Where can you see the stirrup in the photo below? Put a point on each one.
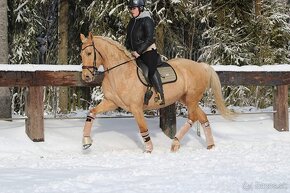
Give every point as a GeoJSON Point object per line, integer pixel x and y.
{"type": "Point", "coordinates": [158, 99]}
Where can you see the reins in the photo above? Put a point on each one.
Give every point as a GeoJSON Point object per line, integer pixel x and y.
{"type": "Point", "coordinates": [109, 69]}
{"type": "Point", "coordinates": [94, 67]}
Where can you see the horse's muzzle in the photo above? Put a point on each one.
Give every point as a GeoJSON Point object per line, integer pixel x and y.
{"type": "Point", "coordinates": [88, 78]}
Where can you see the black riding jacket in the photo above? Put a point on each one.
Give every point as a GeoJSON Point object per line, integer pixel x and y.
{"type": "Point", "coordinates": [140, 33]}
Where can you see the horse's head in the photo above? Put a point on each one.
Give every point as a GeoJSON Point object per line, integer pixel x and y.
{"type": "Point", "coordinates": [91, 57]}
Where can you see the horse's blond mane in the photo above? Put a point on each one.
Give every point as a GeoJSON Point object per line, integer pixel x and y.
{"type": "Point", "coordinates": [116, 44]}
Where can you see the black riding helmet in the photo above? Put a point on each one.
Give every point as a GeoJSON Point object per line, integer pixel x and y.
{"type": "Point", "coordinates": [136, 3]}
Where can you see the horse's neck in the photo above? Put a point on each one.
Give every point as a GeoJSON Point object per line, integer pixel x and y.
{"type": "Point", "coordinates": [114, 56]}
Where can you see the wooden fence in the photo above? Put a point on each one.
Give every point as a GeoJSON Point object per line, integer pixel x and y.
{"type": "Point", "coordinates": [36, 76]}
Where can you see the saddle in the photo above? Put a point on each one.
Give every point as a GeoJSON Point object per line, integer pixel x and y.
{"type": "Point", "coordinates": [167, 73]}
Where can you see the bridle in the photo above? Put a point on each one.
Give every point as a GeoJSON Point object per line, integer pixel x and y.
{"type": "Point", "coordinates": [93, 69]}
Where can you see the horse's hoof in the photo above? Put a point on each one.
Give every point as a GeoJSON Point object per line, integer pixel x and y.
{"type": "Point", "coordinates": [147, 151]}
{"type": "Point", "coordinates": [175, 145]}
{"type": "Point", "coordinates": [86, 146]}
{"type": "Point", "coordinates": [210, 147]}
{"type": "Point", "coordinates": [87, 142]}
{"type": "Point", "coordinates": [148, 146]}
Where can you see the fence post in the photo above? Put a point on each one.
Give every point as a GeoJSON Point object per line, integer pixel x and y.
{"type": "Point", "coordinates": [34, 105]}
{"type": "Point", "coordinates": [168, 120]}
{"type": "Point", "coordinates": [281, 116]}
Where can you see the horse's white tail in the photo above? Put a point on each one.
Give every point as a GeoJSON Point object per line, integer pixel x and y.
{"type": "Point", "coordinates": [215, 85]}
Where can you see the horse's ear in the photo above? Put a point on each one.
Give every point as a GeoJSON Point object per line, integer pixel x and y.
{"type": "Point", "coordinates": [91, 35]}
{"type": "Point", "coordinates": [83, 38]}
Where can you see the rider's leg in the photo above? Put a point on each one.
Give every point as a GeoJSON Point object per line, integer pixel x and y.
{"type": "Point", "coordinates": [150, 58]}
{"type": "Point", "coordinates": [156, 80]}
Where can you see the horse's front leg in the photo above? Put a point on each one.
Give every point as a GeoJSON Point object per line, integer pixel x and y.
{"type": "Point", "coordinates": [139, 117]}
{"type": "Point", "coordinates": [104, 106]}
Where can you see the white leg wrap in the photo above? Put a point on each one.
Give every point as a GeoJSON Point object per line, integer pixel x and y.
{"type": "Point", "coordinates": [147, 142]}
{"type": "Point", "coordinates": [208, 134]}
{"type": "Point", "coordinates": [88, 124]}
{"type": "Point", "coordinates": [184, 129]}
{"type": "Point", "coordinates": [90, 117]}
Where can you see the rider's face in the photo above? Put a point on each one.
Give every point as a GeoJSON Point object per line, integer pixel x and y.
{"type": "Point", "coordinates": [134, 11]}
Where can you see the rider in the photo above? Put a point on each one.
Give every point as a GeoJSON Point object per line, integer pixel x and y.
{"type": "Point", "coordinates": [140, 40]}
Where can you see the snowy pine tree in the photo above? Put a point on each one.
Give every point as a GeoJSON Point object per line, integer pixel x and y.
{"type": "Point", "coordinates": [213, 31]}
{"type": "Point", "coordinates": [240, 37]}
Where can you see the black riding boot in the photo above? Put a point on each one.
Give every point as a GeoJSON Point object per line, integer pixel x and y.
{"type": "Point", "coordinates": [156, 81]}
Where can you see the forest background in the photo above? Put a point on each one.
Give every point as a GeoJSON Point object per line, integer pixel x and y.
{"type": "Point", "coordinates": [227, 32]}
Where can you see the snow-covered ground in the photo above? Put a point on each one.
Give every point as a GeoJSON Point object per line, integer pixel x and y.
{"type": "Point", "coordinates": [250, 156]}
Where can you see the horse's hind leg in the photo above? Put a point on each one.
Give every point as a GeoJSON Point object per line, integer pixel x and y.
{"type": "Point", "coordinates": [206, 128]}
{"type": "Point", "coordinates": [104, 106]}
{"type": "Point", "coordinates": [192, 117]}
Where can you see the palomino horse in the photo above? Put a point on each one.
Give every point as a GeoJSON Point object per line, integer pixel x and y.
{"type": "Point", "coordinates": [122, 88]}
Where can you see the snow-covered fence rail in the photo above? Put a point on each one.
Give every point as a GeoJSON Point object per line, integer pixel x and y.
{"type": "Point", "coordinates": [43, 75]}
{"type": "Point", "coordinates": [36, 76]}
{"type": "Point", "coordinates": [277, 76]}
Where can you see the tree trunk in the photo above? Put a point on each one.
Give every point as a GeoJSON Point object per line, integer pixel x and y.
{"type": "Point", "coordinates": [258, 5]}
{"type": "Point", "coordinates": [63, 50]}
{"type": "Point", "coordinates": [260, 44]}
{"type": "Point", "coordinates": [217, 6]}
{"type": "Point", "coordinates": [5, 95]}
{"type": "Point", "coordinates": [160, 34]}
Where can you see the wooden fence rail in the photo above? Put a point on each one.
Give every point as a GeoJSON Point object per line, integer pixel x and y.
{"type": "Point", "coordinates": [36, 76]}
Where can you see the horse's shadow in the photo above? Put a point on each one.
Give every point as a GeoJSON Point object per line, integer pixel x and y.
{"type": "Point", "coordinates": [129, 128]}
{"type": "Point", "coordinates": [192, 138]}
{"type": "Point", "coordinates": [124, 126]}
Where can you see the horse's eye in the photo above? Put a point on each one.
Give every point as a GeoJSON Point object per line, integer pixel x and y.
{"type": "Point", "coordinates": [89, 53]}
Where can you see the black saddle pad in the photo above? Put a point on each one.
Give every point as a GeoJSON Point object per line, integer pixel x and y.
{"type": "Point", "coordinates": [167, 73]}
